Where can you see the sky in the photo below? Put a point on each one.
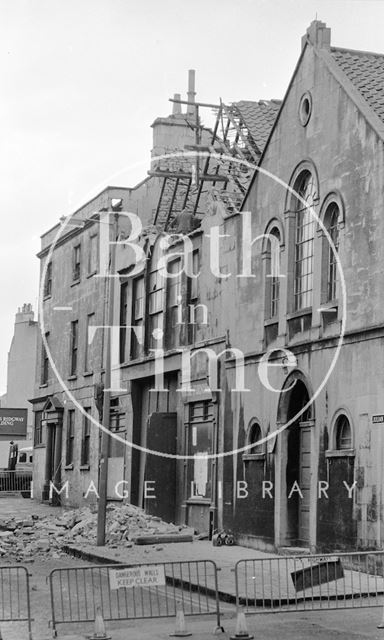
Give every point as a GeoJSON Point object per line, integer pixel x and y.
{"type": "Point", "coordinates": [82, 81]}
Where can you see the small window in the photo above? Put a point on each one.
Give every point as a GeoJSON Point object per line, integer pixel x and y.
{"type": "Point", "coordinates": [174, 307]}
{"type": "Point", "coordinates": [254, 436]}
{"type": "Point", "coordinates": [76, 263]}
{"type": "Point", "coordinates": [138, 300]}
{"type": "Point", "coordinates": [194, 289]}
{"type": "Point", "coordinates": [86, 438]}
{"type": "Point", "coordinates": [331, 221]}
{"type": "Point", "coordinates": [305, 108]}
{"type": "Point", "coordinates": [44, 372]}
{"type": "Point", "coordinates": [155, 309]}
{"type": "Point", "coordinates": [38, 429]}
{"type": "Point", "coordinates": [23, 457]}
{"type": "Point", "coordinates": [48, 281]}
{"type": "Point", "coordinates": [74, 346]}
{"type": "Point", "coordinates": [93, 254]}
{"type": "Point", "coordinates": [343, 433]}
{"type": "Point", "coordinates": [273, 274]}
{"type": "Point", "coordinates": [88, 360]}
{"type": "Point", "coordinates": [70, 437]}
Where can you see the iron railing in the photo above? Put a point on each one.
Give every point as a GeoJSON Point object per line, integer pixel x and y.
{"type": "Point", "coordinates": [310, 582]}
{"type": "Point", "coordinates": [15, 604]}
{"type": "Point", "coordinates": [77, 592]}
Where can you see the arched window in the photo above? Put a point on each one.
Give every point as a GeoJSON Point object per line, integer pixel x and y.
{"type": "Point", "coordinates": [343, 433]}
{"type": "Point", "coordinates": [273, 273]}
{"type": "Point", "coordinates": [331, 221]}
{"type": "Point", "coordinates": [305, 187]}
{"type": "Point", "coordinates": [254, 436]}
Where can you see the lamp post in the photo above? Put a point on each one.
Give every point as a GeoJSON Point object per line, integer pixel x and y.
{"type": "Point", "coordinates": [105, 437]}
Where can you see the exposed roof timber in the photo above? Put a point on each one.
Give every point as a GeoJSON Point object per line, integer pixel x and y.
{"type": "Point", "coordinates": [160, 200]}
{"type": "Point", "coordinates": [172, 201]}
{"type": "Point", "coordinates": [230, 117]}
{"type": "Point", "coordinates": [196, 104]}
{"type": "Point", "coordinates": [187, 176]}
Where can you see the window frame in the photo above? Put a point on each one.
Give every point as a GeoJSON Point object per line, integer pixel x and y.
{"type": "Point", "coordinates": [155, 316]}
{"type": "Point", "coordinates": [193, 295]}
{"type": "Point", "coordinates": [38, 428]}
{"type": "Point", "coordinates": [85, 453]}
{"type": "Point", "coordinates": [273, 289]}
{"type": "Point", "coordinates": [333, 451]}
{"type": "Point", "coordinates": [333, 231]}
{"type": "Point", "coordinates": [88, 347]}
{"type": "Point", "coordinates": [250, 453]}
{"type": "Point", "coordinates": [93, 257]}
{"type": "Point", "coordinates": [174, 300]}
{"type": "Point", "coordinates": [76, 263]}
{"type": "Point", "coordinates": [48, 280]}
{"type": "Point", "coordinates": [70, 439]}
{"type": "Point", "coordinates": [74, 346]}
{"type": "Point", "coordinates": [303, 242]}
{"type": "Point", "coordinates": [137, 319]}
{"type": "Point", "coordinates": [44, 365]}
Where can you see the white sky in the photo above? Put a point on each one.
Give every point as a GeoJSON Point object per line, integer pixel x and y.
{"type": "Point", "coordinates": [82, 81]}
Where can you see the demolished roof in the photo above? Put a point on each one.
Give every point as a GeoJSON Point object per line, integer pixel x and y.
{"type": "Point", "coordinates": [258, 118]}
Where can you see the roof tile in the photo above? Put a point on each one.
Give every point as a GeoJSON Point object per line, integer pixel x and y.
{"type": "Point", "coordinates": [366, 72]}
{"type": "Point", "coordinates": [258, 118]}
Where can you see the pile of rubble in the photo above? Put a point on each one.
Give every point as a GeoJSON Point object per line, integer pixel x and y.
{"type": "Point", "coordinates": [23, 540]}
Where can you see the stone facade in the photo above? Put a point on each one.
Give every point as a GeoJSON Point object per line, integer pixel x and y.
{"type": "Point", "coordinates": [291, 456]}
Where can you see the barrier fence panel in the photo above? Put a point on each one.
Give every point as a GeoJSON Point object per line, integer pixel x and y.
{"type": "Point", "coordinates": [327, 581]}
{"type": "Point", "coordinates": [15, 605]}
{"type": "Point", "coordinates": [133, 591]}
{"type": "Point", "coordinates": [15, 481]}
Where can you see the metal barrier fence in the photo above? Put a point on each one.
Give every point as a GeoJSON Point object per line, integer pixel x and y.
{"type": "Point", "coordinates": [133, 591]}
{"type": "Point", "coordinates": [15, 605]}
{"type": "Point", "coordinates": [311, 582]}
{"type": "Point", "coordinates": [15, 481]}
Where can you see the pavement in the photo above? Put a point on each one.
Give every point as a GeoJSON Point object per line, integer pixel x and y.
{"type": "Point", "coordinates": [224, 557]}
{"type": "Point", "coordinates": [358, 622]}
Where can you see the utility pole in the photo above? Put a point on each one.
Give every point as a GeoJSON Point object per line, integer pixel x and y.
{"type": "Point", "coordinates": [105, 438]}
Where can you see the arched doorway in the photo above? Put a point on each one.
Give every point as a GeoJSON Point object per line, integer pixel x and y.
{"type": "Point", "coordinates": [295, 462]}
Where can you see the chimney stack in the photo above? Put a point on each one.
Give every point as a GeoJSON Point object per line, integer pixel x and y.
{"type": "Point", "coordinates": [25, 314]}
{"type": "Point", "coordinates": [176, 111]}
{"type": "Point", "coordinates": [318, 34]}
{"type": "Point", "coordinates": [191, 92]}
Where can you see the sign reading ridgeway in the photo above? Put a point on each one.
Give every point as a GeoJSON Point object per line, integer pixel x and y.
{"type": "Point", "coordinates": [150, 575]}
{"type": "Point", "coordinates": [13, 422]}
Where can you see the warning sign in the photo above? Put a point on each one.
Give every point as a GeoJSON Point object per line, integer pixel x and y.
{"type": "Point", "coordinates": [150, 575]}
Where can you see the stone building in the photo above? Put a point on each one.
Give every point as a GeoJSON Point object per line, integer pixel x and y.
{"type": "Point", "coordinates": [307, 435]}
{"type": "Point", "coordinates": [22, 363]}
{"type": "Point", "coordinates": [325, 467]}
{"type": "Point", "coordinates": [71, 352]}
{"type": "Point", "coordinates": [291, 456]}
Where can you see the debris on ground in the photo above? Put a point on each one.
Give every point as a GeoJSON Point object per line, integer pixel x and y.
{"type": "Point", "coordinates": [23, 539]}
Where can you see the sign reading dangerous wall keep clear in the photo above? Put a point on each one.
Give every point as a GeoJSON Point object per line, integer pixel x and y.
{"type": "Point", "coordinates": [151, 575]}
